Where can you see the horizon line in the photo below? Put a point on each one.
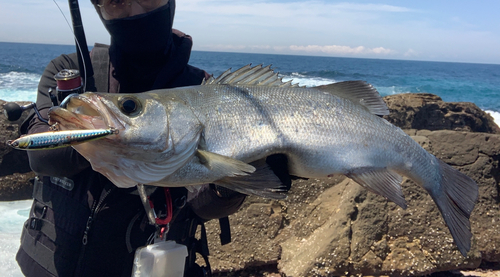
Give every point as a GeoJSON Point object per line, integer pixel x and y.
{"type": "Point", "coordinates": [289, 54]}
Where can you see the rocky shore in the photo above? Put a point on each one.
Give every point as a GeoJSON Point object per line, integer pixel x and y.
{"type": "Point", "coordinates": [15, 173]}
{"type": "Point", "coordinates": [334, 227]}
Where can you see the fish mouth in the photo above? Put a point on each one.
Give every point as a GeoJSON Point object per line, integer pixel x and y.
{"type": "Point", "coordinates": [85, 111]}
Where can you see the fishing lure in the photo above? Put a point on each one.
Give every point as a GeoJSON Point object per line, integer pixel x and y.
{"type": "Point", "coordinates": [59, 139]}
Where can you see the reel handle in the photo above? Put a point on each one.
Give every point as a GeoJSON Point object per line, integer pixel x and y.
{"type": "Point", "coordinates": [13, 111]}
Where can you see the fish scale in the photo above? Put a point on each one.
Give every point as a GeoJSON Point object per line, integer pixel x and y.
{"type": "Point", "coordinates": [219, 132]}
{"type": "Point", "coordinates": [282, 129]}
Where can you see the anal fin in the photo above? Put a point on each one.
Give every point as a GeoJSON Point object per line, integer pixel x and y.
{"type": "Point", "coordinates": [381, 181]}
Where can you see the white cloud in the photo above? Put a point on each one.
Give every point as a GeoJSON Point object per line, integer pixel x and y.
{"type": "Point", "coordinates": [341, 50]}
{"type": "Point", "coordinates": [411, 53]}
{"type": "Point", "coordinates": [271, 13]}
{"type": "Point", "coordinates": [260, 8]}
{"type": "Point", "coordinates": [239, 25]}
{"type": "Point", "coordinates": [280, 48]}
{"type": "Point", "coordinates": [349, 27]}
{"type": "Point", "coordinates": [381, 50]}
{"type": "Point", "coordinates": [371, 7]}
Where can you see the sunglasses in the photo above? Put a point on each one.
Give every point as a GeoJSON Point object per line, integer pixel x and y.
{"type": "Point", "coordinates": [121, 8]}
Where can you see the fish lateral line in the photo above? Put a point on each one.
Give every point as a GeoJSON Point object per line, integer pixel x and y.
{"type": "Point", "coordinates": [59, 139]}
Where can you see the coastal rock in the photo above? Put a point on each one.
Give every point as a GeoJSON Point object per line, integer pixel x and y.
{"type": "Point", "coordinates": [16, 186]}
{"type": "Point", "coordinates": [334, 227]}
{"type": "Point", "coordinates": [15, 171]}
{"type": "Point", "coordinates": [429, 111]}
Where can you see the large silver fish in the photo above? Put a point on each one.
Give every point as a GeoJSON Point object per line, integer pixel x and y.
{"type": "Point", "coordinates": [218, 132]}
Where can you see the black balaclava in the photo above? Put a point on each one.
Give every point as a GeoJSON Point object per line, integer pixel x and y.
{"type": "Point", "coordinates": [141, 46]}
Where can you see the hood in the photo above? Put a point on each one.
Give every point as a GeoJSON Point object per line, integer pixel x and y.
{"type": "Point", "coordinates": [144, 36]}
{"type": "Point", "coordinates": [141, 47]}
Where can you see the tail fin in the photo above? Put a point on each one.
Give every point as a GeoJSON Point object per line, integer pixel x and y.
{"type": "Point", "coordinates": [456, 200]}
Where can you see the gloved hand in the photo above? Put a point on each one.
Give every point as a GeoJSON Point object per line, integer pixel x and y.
{"type": "Point", "coordinates": [279, 165]}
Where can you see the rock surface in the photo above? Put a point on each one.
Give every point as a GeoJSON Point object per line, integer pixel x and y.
{"type": "Point", "coordinates": [430, 112]}
{"type": "Point", "coordinates": [15, 173]}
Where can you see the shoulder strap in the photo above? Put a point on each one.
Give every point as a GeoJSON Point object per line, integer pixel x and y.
{"type": "Point", "coordinates": [225, 231]}
{"type": "Point", "coordinates": [100, 62]}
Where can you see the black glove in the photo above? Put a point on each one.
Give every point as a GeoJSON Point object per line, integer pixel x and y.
{"type": "Point", "coordinates": [278, 164]}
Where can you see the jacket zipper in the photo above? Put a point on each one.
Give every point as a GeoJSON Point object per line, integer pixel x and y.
{"type": "Point", "coordinates": [95, 208]}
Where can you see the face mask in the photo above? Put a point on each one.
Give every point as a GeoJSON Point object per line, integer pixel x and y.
{"type": "Point", "coordinates": [143, 36]}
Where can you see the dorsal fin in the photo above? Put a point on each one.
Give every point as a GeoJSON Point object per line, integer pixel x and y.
{"type": "Point", "coordinates": [248, 75]}
{"type": "Point", "coordinates": [359, 92]}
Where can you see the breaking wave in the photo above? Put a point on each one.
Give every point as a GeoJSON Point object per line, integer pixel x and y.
{"type": "Point", "coordinates": [12, 217]}
{"type": "Point", "coordinates": [495, 115]}
{"type": "Point", "coordinates": [18, 86]}
{"type": "Point", "coordinates": [307, 81]}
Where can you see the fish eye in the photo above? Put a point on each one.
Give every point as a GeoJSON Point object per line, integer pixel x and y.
{"type": "Point", "coordinates": [130, 106]}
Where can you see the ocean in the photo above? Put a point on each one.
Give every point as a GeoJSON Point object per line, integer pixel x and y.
{"type": "Point", "coordinates": [21, 66]}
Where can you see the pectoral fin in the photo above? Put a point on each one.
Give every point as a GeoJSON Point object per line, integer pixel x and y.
{"type": "Point", "coordinates": [224, 165]}
{"type": "Point", "coordinates": [381, 181]}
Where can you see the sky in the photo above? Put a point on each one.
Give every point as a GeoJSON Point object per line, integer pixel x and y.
{"type": "Point", "coordinates": [429, 30]}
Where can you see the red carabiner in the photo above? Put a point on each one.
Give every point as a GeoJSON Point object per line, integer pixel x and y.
{"type": "Point", "coordinates": [168, 203]}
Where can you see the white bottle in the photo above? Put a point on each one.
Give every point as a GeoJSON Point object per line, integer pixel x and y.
{"type": "Point", "coordinates": [161, 259]}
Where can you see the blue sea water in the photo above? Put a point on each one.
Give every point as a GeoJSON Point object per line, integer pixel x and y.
{"type": "Point", "coordinates": [21, 66]}
{"type": "Point", "coordinates": [453, 82]}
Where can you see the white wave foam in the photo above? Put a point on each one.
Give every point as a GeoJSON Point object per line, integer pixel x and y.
{"type": "Point", "coordinates": [18, 95]}
{"type": "Point", "coordinates": [495, 115]}
{"type": "Point", "coordinates": [297, 75]}
{"type": "Point", "coordinates": [384, 91]}
{"type": "Point", "coordinates": [302, 80]}
{"type": "Point", "coordinates": [18, 86]}
{"type": "Point", "coordinates": [12, 217]}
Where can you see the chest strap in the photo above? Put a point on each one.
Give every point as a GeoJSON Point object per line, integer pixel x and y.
{"type": "Point", "coordinates": [99, 57]}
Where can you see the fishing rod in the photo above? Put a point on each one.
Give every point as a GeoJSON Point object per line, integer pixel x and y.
{"type": "Point", "coordinates": [69, 81]}
{"type": "Point", "coordinates": [85, 66]}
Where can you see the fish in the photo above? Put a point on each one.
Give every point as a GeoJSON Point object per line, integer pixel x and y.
{"type": "Point", "coordinates": [220, 131]}
{"type": "Point", "coordinates": [58, 139]}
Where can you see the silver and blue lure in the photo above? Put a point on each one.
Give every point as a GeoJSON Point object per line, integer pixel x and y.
{"type": "Point", "coordinates": [59, 139]}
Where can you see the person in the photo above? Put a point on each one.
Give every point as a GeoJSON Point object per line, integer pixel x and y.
{"type": "Point", "coordinates": [80, 224]}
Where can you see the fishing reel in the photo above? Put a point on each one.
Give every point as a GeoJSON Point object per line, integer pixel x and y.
{"type": "Point", "coordinates": [68, 82]}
